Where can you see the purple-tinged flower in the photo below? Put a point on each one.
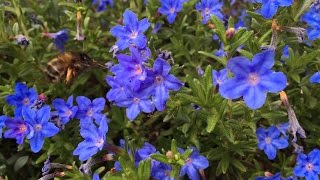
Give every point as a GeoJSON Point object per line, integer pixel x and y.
{"type": "Point", "coordinates": [65, 110]}
{"type": "Point", "coordinates": [276, 176]}
{"type": "Point", "coordinates": [208, 8]}
{"type": "Point", "coordinates": [60, 38]}
{"type": "Point", "coordinates": [218, 77]}
{"type": "Point", "coordinates": [193, 164]}
{"type": "Point", "coordinates": [162, 83]}
{"type": "Point", "coordinates": [161, 171]}
{"type": "Point", "coordinates": [313, 19]}
{"type": "Point", "coordinates": [94, 140]}
{"type": "Point", "coordinates": [269, 140]}
{"type": "Point", "coordinates": [136, 102]}
{"type": "Point", "coordinates": [2, 123]}
{"type": "Point", "coordinates": [171, 8]}
{"type": "Point", "coordinates": [89, 110]}
{"type": "Point", "coordinates": [253, 80]}
{"type": "Point", "coordinates": [308, 166]}
{"type": "Point", "coordinates": [22, 40]}
{"type": "Point", "coordinates": [18, 129]}
{"type": "Point", "coordinates": [144, 152]}
{"type": "Point", "coordinates": [118, 88]}
{"type": "Point", "coordinates": [102, 4]}
{"type": "Point", "coordinates": [131, 32]}
{"type": "Point", "coordinates": [22, 97]}
{"type": "Point", "coordinates": [145, 53]}
{"type": "Point", "coordinates": [42, 128]}
{"type": "Point", "coordinates": [269, 8]}
{"type": "Point", "coordinates": [315, 78]}
{"type": "Point", "coordinates": [156, 28]}
{"type": "Point", "coordinates": [131, 68]}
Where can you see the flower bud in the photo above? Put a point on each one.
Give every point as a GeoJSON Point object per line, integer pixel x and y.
{"type": "Point", "coordinates": [230, 33]}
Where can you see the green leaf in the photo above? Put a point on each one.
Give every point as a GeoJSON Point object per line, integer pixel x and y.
{"type": "Point", "coordinates": [225, 164]}
{"type": "Point", "coordinates": [305, 7]}
{"type": "Point", "coordinates": [160, 157]}
{"type": "Point", "coordinates": [186, 154]}
{"type": "Point", "coordinates": [144, 169]}
{"type": "Point", "coordinates": [15, 28]}
{"type": "Point", "coordinates": [21, 161]}
{"type": "Point", "coordinates": [174, 147]}
{"type": "Point", "coordinates": [237, 164]}
{"type": "Point", "coordinates": [211, 122]}
{"type": "Point", "coordinates": [245, 36]}
{"type": "Point", "coordinates": [211, 55]}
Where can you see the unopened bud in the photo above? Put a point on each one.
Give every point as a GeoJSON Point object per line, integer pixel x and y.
{"type": "Point", "coordinates": [169, 154]}
{"type": "Point", "coordinates": [230, 33]}
{"type": "Point", "coordinates": [211, 26]}
{"type": "Point", "coordinates": [108, 157]}
{"type": "Point", "coordinates": [268, 174]}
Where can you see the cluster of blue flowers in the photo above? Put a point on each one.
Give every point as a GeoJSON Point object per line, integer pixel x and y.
{"type": "Point", "coordinates": [134, 84]}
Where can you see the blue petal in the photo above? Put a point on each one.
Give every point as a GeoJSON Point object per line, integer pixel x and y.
{"type": "Point", "coordinates": [315, 78]}
{"type": "Point", "coordinates": [146, 106]}
{"type": "Point", "coordinates": [29, 115]}
{"type": "Point", "coordinates": [285, 2]}
{"type": "Point", "coordinates": [269, 9]}
{"type": "Point", "coordinates": [161, 67]}
{"type": "Point", "coordinates": [98, 104]}
{"type": "Point", "coordinates": [280, 143]}
{"type": "Point", "coordinates": [49, 130]}
{"type": "Point", "coordinates": [240, 66]}
{"type": "Point", "coordinates": [192, 172]}
{"type": "Point", "coordinates": [312, 176]}
{"type": "Point", "coordinates": [70, 101]}
{"type": "Point", "coordinates": [254, 97]}
{"type": "Point", "coordinates": [140, 41]}
{"type": "Point", "coordinates": [200, 162]}
{"type": "Point", "coordinates": [132, 111]}
{"type": "Point", "coordinates": [171, 18]}
{"type": "Point", "coordinates": [143, 25]}
{"type": "Point", "coordinates": [299, 171]}
{"type": "Point", "coordinates": [233, 88]}
{"type": "Point", "coordinates": [172, 83]}
{"type": "Point", "coordinates": [119, 31]}
{"type": "Point", "coordinates": [36, 142]}
{"type": "Point", "coordinates": [20, 88]}
{"type": "Point", "coordinates": [273, 82]}
{"type": "Point", "coordinates": [271, 152]}
{"type": "Point", "coordinates": [160, 97]}
{"type": "Point", "coordinates": [130, 19]}
{"type": "Point", "coordinates": [83, 102]}
{"type": "Point", "coordinates": [263, 61]}
{"type": "Point", "coordinates": [43, 115]}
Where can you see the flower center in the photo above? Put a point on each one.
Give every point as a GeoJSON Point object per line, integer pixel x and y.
{"type": "Point", "coordinates": [268, 140]}
{"type": "Point", "coordinates": [38, 127]}
{"type": "Point", "coordinates": [136, 100]}
{"type": "Point", "coordinates": [188, 161]}
{"type": "Point", "coordinates": [253, 79]}
{"type": "Point", "coordinates": [172, 10]}
{"type": "Point", "coordinates": [219, 81]}
{"type": "Point", "coordinates": [133, 35]}
{"type": "Point", "coordinates": [207, 11]}
{"type": "Point", "coordinates": [90, 112]}
{"type": "Point", "coordinates": [309, 166]}
{"type": "Point", "coordinates": [138, 69]}
{"type": "Point", "coordinates": [159, 79]}
{"type": "Point", "coordinates": [68, 113]}
{"type": "Point", "coordinates": [22, 128]}
{"type": "Point", "coordinates": [26, 101]}
{"type": "Point", "coordinates": [100, 142]}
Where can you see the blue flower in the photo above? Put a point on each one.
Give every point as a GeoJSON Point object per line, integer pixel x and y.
{"type": "Point", "coordinates": [269, 7]}
{"type": "Point", "coordinates": [94, 140]}
{"type": "Point", "coordinates": [285, 51]}
{"type": "Point", "coordinates": [136, 102]}
{"type": "Point", "coordinates": [102, 4]}
{"type": "Point", "coordinates": [89, 110]}
{"type": "Point", "coordinates": [2, 123]}
{"type": "Point", "coordinates": [144, 152]}
{"type": "Point", "coordinates": [60, 38]}
{"type": "Point", "coordinates": [193, 164]}
{"type": "Point", "coordinates": [161, 171]}
{"type": "Point", "coordinates": [95, 176]}
{"type": "Point", "coordinates": [313, 20]}
{"type": "Point", "coordinates": [276, 176]}
{"type": "Point", "coordinates": [162, 83]}
{"type": "Point", "coordinates": [218, 77]}
{"type": "Point", "coordinates": [41, 127]}
{"type": "Point", "coordinates": [65, 110]}
{"type": "Point", "coordinates": [308, 166]}
{"type": "Point", "coordinates": [253, 79]}
{"type": "Point", "coordinates": [171, 8]}
{"type": "Point", "coordinates": [23, 97]}
{"type": "Point", "coordinates": [156, 28]}
{"type": "Point", "coordinates": [118, 88]}
{"type": "Point", "coordinates": [18, 129]}
{"type": "Point", "coordinates": [208, 8]}
{"type": "Point", "coordinates": [270, 140]}
{"type": "Point", "coordinates": [315, 78]}
{"type": "Point", "coordinates": [131, 32]}
{"type": "Point", "coordinates": [131, 68]}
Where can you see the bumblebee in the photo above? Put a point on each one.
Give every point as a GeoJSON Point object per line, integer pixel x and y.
{"type": "Point", "coordinates": [67, 66]}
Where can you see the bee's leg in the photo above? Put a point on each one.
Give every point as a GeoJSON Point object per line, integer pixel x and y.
{"type": "Point", "coordinates": [69, 75]}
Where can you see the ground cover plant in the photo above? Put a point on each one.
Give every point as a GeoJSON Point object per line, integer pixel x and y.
{"type": "Point", "coordinates": [159, 89]}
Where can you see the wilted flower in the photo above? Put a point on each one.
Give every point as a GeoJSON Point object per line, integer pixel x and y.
{"type": "Point", "coordinates": [22, 40]}
{"type": "Point", "coordinates": [253, 80]}
{"type": "Point", "coordinates": [313, 19]}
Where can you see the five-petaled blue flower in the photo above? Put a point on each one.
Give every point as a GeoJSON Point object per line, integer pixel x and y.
{"type": "Point", "coordinates": [171, 8]}
{"type": "Point", "coordinates": [308, 166]}
{"type": "Point", "coordinates": [208, 8]}
{"type": "Point", "coordinates": [269, 7]}
{"type": "Point", "coordinates": [60, 38]}
{"type": "Point", "coordinates": [18, 129]}
{"type": "Point", "coordinates": [313, 19]}
{"type": "Point", "coordinates": [132, 31]}
{"type": "Point", "coordinates": [41, 127]}
{"type": "Point", "coordinates": [162, 83]}
{"type": "Point", "coordinates": [89, 110]}
{"type": "Point", "coordinates": [22, 97]}
{"type": "Point", "coordinates": [193, 164]}
{"type": "Point", "coordinates": [269, 140]}
{"type": "Point", "coordinates": [218, 77]}
{"type": "Point", "coordinates": [94, 140]}
{"type": "Point", "coordinates": [65, 110]}
{"type": "Point", "coordinates": [253, 79]}
{"type": "Point", "coordinates": [315, 78]}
